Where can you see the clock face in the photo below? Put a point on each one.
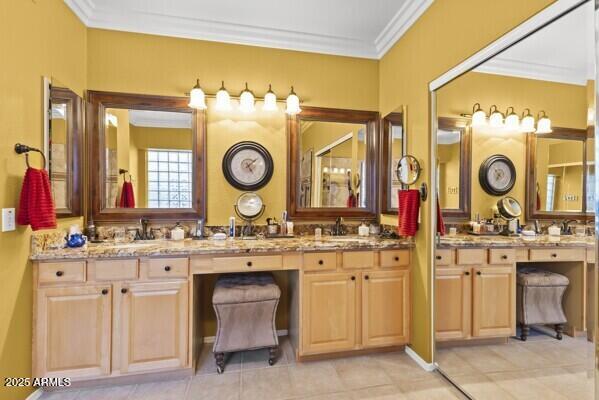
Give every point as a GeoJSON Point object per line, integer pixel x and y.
{"type": "Point", "coordinates": [247, 166]}
{"type": "Point", "coordinates": [497, 175]}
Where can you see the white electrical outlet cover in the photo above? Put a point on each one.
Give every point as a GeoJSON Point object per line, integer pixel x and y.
{"type": "Point", "coordinates": [8, 219]}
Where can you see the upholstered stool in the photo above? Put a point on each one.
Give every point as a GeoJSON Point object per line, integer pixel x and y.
{"type": "Point", "coordinates": [539, 299]}
{"type": "Point", "coordinates": [245, 306]}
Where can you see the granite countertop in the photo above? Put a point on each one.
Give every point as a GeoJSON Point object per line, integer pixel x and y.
{"type": "Point", "coordinates": [42, 251]}
{"type": "Point", "coordinates": [522, 241]}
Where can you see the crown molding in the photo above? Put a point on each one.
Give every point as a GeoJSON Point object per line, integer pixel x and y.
{"type": "Point", "coordinates": [531, 70]}
{"type": "Point", "coordinates": [405, 17]}
{"type": "Point", "coordinates": [94, 16]}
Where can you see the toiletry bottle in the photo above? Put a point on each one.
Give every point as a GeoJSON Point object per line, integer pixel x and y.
{"type": "Point", "coordinates": [284, 223]}
{"type": "Point", "coordinates": [232, 227]}
{"type": "Point", "coordinates": [177, 233]}
{"type": "Point", "coordinates": [199, 229]}
{"type": "Point", "coordinates": [363, 229]}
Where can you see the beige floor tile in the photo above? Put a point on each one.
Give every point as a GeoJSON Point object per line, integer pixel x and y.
{"type": "Point", "coordinates": [316, 377]}
{"type": "Point", "coordinates": [328, 396]}
{"type": "Point", "coordinates": [481, 387]}
{"type": "Point", "coordinates": [483, 359]}
{"type": "Point", "coordinates": [523, 386]}
{"type": "Point", "coordinates": [558, 353]}
{"type": "Point", "coordinates": [107, 393]}
{"type": "Point", "coordinates": [433, 387]}
{"type": "Point", "coordinates": [259, 359]}
{"type": "Point", "coordinates": [225, 386]}
{"type": "Point", "coordinates": [452, 364]}
{"type": "Point", "coordinates": [572, 385]}
{"type": "Point", "coordinates": [60, 395]}
{"type": "Point", "coordinates": [400, 367]}
{"type": "Point", "coordinates": [207, 365]}
{"type": "Point", "coordinates": [163, 390]}
{"type": "Point", "coordinates": [266, 383]}
{"type": "Point", "coordinates": [519, 355]}
{"type": "Point", "coordinates": [386, 392]}
{"type": "Point", "coordinates": [360, 372]}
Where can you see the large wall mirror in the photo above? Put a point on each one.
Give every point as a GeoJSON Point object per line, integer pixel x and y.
{"type": "Point", "coordinates": [560, 175]}
{"type": "Point", "coordinates": [332, 164]}
{"type": "Point", "coordinates": [63, 147]}
{"type": "Point", "coordinates": [149, 157]}
{"type": "Point", "coordinates": [393, 148]}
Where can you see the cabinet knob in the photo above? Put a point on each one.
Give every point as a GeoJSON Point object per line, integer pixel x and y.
{"type": "Point", "coordinates": [553, 255]}
{"type": "Point", "coordinates": [124, 290]}
{"type": "Point", "coordinates": [438, 257]}
{"type": "Point", "coordinates": [59, 273]}
{"type": "Point", "coordinates": [249, 263]}
{"type": "Point", "coordinates": [504, 257]}
{"type": "Point", "coordinates": [104, 292]}
{"type": "Point", "coordinates": [396, 258]}
{"type": "Point", "coordinates": [478, 273]}
{"type": "Point", "coordinates": [353, 278]}
{"type": "Point", "coordinates": [467, 273]}
{"type": "Point", "coordinates": [167, 268]}
{"type": "Point", "coordinates": [320, 262]}
{"type": "Point", "coordinates": [366, 277]}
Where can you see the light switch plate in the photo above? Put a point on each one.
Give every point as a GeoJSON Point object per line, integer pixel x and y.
{"type": "Point", "coordinates": [8, 219]}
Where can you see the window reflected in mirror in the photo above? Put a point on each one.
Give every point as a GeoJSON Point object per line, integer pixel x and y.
{"type": "Point", "coordinates": [332, 164]}
{"type": "Point", "coordinates": [149, 159]}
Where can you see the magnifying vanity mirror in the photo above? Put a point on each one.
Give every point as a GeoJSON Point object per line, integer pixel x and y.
{"type": "Point", "coordinates": [408, 170]}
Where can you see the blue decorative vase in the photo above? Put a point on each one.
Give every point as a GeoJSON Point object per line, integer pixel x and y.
{"type": "Point", "coordinates": [76, 240]}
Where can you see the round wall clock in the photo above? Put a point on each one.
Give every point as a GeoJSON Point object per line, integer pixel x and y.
{"type": "Point", "coordinates": [247, 166]}
{"type": "Point", "coordinates": [497, 175]}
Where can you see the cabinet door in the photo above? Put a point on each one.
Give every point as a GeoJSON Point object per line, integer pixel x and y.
{"type": "Point", "coordinates": [328, 312]}
{"type": "Point", "coordinates": [386, 308]}
{"type": "Point", "coordinates": [493, 301]}
{"type": "Point", "coordinates": [453, 295]}
{"type": "Point", "coordinates": [72, 331]}
{"type": "Point", "coordinates": [154, 326]}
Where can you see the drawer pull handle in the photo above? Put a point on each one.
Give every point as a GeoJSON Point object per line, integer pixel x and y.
{"type": "Point", "coordinates": [59, 273]}
{"type": "Point", "coordinates": [124, 290]}
{"type": "Point", "coordinates": [167, 268]}
{"type": "Point", "coordinates": [366, 277]}
{"type": "Point", "coordinates": [249, 263]}
{"type": "Point", "coordinates": [504, 257]}
{"type": "Point", "coordinates": [104, 292]}
{"type": "Point", "coordinates": [396, 258]}
{"type": "Point", "coordinates": [353, 278]}
{"type": "Point", "coordinates": [478, 273]}
{"type": "Point", "coordinates": [553, 255]}
{"type": "Point", "coordinates": [320, 262]}
{"type": "Point", "coordinates": [466, 273]}
{"type": "Point", "coordinates": [438, 257]}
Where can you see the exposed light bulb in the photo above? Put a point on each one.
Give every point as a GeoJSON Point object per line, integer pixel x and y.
{"type": "Point", "coordinates": [495, 118]}
{"type": "Point", "coordinates": [527, 125]}
{"type": "Point", "coordinates": [544, 123]}
{"type": "Point", "coordinates": [479, 118]}
{"type": "Point", "coordinates": [270, 100]}
{"type": "Point", "coordinates": [512, 121]}
{"type": "Point", "coordinates": [223, 100]}
{"type": "Point", "coordinates": [293, 103]}
{"type": "Point", "coordinates": [197, 98]}
{"type": "Point", "coordinates": [246, 100]}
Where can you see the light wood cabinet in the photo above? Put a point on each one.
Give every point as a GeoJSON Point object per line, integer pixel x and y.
{"type": "Point", "coordinates": [385, 308]}
{"type": "Point", "coordinates": [329, 312]}
{"type": "Point", "coordinates": [72, 335]}
{"type": "Point", "coordinates": [453, 295]}
{"type": "Point", "coordinates": [493, 301]}
{"type": "Point", "coordinates": [154, 326]}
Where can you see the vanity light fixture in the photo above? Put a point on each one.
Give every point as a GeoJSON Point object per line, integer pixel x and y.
{"type": "Point", "coordinates": [512, 121]}
{"type": "Point", "coordinates": [270, 100]}
{"type": "Point", "coordinates": [246, 100]}
{"type": "Point", "coordinates": [544, 123]}
{"type": "Point", "coordinates": [528, 122]}
{"type": "Point", "coordinates": [223, 100]}
{"type": "Point", "coordinates": [495, 117]}
{"type": "Point", "coordinates": [293, 103]}
{"type": "Point", "coordinates": [111, 119]}
{"type": "Point", "coordinates": [197, 98]}
{"type": "Point", "coordinates": [479, 118]}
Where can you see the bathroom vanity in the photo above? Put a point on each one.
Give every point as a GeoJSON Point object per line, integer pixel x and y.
{"type": "Point", "coordinates": [123, 311]}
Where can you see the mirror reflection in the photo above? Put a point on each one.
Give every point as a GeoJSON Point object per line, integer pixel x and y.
{"type": "Point", "coordinates": [448, 167]}
{"type": "Point", "coordinates": [332, 164]}
{"type": "Point", "coordinates": [148, 158]}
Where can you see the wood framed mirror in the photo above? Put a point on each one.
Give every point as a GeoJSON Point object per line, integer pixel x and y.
{"type": "Point", "coordinates": [393, 148]}
{"type": "Point", "coordinates": [454, 168]}
{"type": "Point", "coordinates": [332, 164]}
{"type": "Point", "coordinates": [147, 158]}
{"type": "Point", "coordinates": [560, 175]}
{"type": "Point", "coordinates": [63, 148]}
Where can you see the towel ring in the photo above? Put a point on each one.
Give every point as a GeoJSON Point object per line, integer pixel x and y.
{"type": "Point", "coordinates": [23, 148]}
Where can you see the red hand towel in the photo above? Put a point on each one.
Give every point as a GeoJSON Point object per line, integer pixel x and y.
{"type": "Point", "coordinates": [36, 206]}
{"type": "Point", "coordinates": [409, 208]}
{"type": "Point", "coordinates": [127, 196]}
{"type": "Point", "coordinates": [440, 223]}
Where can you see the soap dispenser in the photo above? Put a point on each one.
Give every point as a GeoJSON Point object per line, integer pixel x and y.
{"type": "Point", "coordinates": [363, 229]}
{"type": "Point", "coordinates": [177, 233]}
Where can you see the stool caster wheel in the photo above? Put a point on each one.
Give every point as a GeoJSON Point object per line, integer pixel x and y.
{"type": "Point", "coordinates": [525, 332]}
{"type": "Point", "coordinates": [523, 338]}
{"type": "Point", "coordinates": [272, 355]}
{"type": "Point", "coordinates": [559, 336]}
{"type": "Point", "coordinates": [220, 362]}
{"type": "Point", "coordinates": [559, 329]}
{"type": "Point", "coordinates": [219, 370]}
{"type": "Point", "coordinates": [271, 362]}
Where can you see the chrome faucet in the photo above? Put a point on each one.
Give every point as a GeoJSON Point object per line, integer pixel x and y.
{"type": "Point", "coordinates": [145, 234]}
{"type": "Point", "coordinates": [566, 229]}
{"type": "Point", "coordinates": [339, 229]}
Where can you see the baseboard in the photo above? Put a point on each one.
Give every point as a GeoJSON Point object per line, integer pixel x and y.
{"type": "Point", "coordinates": [35, 395]}
{"type": "Point", "coordinates": [280, 332]}
{"type": "Point", "coordinates": [423, 364]}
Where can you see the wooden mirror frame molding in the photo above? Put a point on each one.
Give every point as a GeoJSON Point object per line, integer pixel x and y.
{"type": "Point", "coordinates": [370, 120]}
{"type": "Point", "coordinates": [74, 151]}
{"type": "Point", "coordinates": [390, 120]}
{"type": "Point", "coordinates": [98, 102]}
{"type": "Point", "coordinates": [531, 178]}
{"type": "Point", "coordinates": [462, 213]}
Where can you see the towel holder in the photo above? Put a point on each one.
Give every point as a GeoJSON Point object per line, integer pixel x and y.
{"type": "Point", "coordinates": [24, 149]}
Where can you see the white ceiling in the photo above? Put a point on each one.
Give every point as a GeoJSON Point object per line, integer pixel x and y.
{"type": "Point", "coordinates": [561, 52]}
{"type": "Point", "coordinates": [359, 28]}
{"type": "Point", "coordinates": [159, 119]}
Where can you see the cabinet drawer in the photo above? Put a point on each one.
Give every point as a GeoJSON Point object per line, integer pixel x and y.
{"type": "Point", "coordinates": [557, 254]}
{"type": "Point", "coordinates": [112, 270]}
{"type": "Point", "coordinates": [470, 256]}
{"type": "Point", "coordinates": [320, 261]}
{"type": "Point", "coordinates": [358, 259]}
{"type": "Point", "coordinates": [168, 268]}
{"type": "Point", "coordinates": [502, 256]}
{"type": "Point", "coordinates": [443, 257]}
{"type": "Point", "coordinates": [591, 256]}
{"type": "Point", "coordinates": [395, 258]}
{"type": "Point", "coordinates": [247, 263]}
{"type": "Point", "coordinates": [61, 272]}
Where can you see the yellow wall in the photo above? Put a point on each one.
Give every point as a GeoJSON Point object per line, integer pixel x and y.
{"type": "Point", "coordinates": [429, 48]}
{"type": "Point", "coordinates": [42, 38]}
{"type": "Point", "coordinates": [449, 160]}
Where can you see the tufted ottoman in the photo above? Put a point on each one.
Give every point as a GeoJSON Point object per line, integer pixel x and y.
{"type": "Point", "coordinates": [245, 306]}
{"type": "Point", "coordinates": [539, 299]}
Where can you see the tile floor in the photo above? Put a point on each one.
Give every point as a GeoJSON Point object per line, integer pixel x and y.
{"type": "Point", "coordinates": [389, 376]}
{"type": "Point", "coordinates": [540, 368]}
